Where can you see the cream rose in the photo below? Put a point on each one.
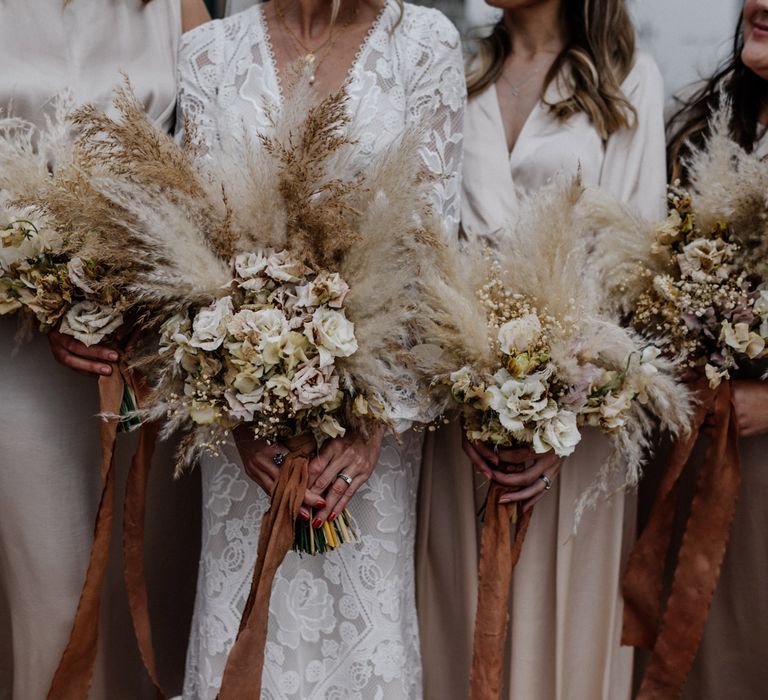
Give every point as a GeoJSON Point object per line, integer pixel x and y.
{"type": "Point", "coordinates": [741, 339]}
{"type": "Point", "coordinates": [704, 259]}
{"type": "Point", "coordinates": [326, 288]}
{"type": "Point", "coordinates": [77, 275]}
{"type": "Point", "coordinates": [210, 325]}
{"type": "Point", "coordinates": [312, 386]}
{"type": "Point", "coordinates": [250, 265]}
{"type": "Point", "coordinates": [281, 267]}
{"type": "Point", "coordinates": [519, 334]}
{"type": "Point", "coordinates": [332, 333]}
{"type": "Point", "coordinates": [614, 408]}
{"type": "Point", "coordinates": [559, 433]}
{"type": "Point", "coordinates": [243, 406]}
{"type": "Point", "coordinates": [90, 322]}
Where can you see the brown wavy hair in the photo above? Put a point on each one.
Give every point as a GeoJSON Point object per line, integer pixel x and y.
{"type": "Point", "coordinates": [745, 90]}
{"type": "Point", "coordinates": [597, 57]}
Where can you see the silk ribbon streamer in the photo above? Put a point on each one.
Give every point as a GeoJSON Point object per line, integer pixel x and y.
{"type": "Point", "coordinates": [242, 674]}
{"type": "Point", "coordinates": [499, 553]}
{"type": "Point", "coordinates": [74, 675]}
{"type": "Point", "coordinates": [675, 635]}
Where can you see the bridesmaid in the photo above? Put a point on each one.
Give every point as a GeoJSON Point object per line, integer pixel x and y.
{"type": "Point", "coordinates": [557, 86]}
{"type": "Point", "coordinates": [49, 436]}
{"type": "Point", "coordinates": [731, 659]}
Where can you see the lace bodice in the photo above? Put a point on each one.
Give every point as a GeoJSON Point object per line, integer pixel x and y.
{"type": "Point", "coordinates": [404, 74]}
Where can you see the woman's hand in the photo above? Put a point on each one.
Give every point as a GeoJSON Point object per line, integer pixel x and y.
{"type": "Point", "coordinates": [750, 397]}
{"type": "Point", "coordinates": [354, 456]}
{"type": "Point", "coordinates": [519, 469]}
{"type": "Point", "coordinates": [86, 360]}
{"type": "Point", "coordinates": [259, 463]}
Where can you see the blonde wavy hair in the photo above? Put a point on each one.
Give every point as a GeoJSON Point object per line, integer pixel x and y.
{"type": "Point", "coordinates": [597, 57]}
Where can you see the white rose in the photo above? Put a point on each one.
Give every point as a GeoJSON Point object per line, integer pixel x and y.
{"type": "Point", "coordinates": [281, 267]}
{"type": "Point", "coordinates": [265, 329]}
{"type": "Point", "coordinates": [90, 322]}
{"type": "Point", "coordinates": [326, 288]}
{"type": "Point", "coordinates": [704, 259]}
{"type": "Point", "coordinates": [77, 275]}
{"type": "Point", "coordinates": [559, 433]}
{"type": "Point", "coordinates": [329, 426]}
{"type": "Point", "coordinates": [293, 351]}
{"type": "Point", "coordinates": [279, 385]}
{"type": "Point", "coordinates": [519, 334]}
{"type": "Point", "coordinates": [312, 387]}
{"type": "Point", "coordinates": [250, 265]}
{"type": "Point", "coordinates": [209, 327]}
{"type": "Point", "coordinates": [203, 413]}
{"type": "Point", "coordinates": [248, 379]}
{"type": "Point", "coordinates": [740, 338]}
{"type": "Point", "coordinates": [518, 400]}
{"type": "Point", "coordinates": [714, 375]}
{"type": "Point", "coordinates": [332, 334]}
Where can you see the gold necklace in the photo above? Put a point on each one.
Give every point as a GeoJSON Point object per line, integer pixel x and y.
{"type": "Point", "coordinates": [311, 55]}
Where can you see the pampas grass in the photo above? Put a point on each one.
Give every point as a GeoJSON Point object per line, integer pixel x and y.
{"type": "Point", "coordinates": [549, 257]}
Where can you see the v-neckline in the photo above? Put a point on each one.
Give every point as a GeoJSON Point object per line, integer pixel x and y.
{"type": "Point", "coordinates": [362, 49]}
{"type": "Point", "coordinates": [511, 152]}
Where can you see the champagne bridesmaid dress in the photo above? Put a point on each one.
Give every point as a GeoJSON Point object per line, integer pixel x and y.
{"type": "Point", "coordinates": [565, 605]}
{"type": "Point", "coordinates": [49, 436]}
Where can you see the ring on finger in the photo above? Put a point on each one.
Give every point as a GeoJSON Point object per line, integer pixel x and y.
{"type": "Point", "coordinates": [278, 458]}
{"type": "Point", "coordinates": [547, 482]}
{"type": "Point", "coordinates": [345, 477]}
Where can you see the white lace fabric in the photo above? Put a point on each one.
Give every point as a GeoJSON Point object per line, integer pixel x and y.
{"type": "Point", "coordinates": [342, 626]}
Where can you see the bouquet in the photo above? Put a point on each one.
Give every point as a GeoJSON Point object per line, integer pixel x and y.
{"type": "Point", "coordinates": [519, 340]}
{"type": "Point", "coordinates": [697, 283]}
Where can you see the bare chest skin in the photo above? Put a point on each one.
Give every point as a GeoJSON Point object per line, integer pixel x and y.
{"type": "Point", "coordinates": [519, 90]}
{"type": "Point", "coordinates": [334, 49]}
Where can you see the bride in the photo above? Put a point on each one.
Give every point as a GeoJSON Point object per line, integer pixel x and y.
{"type": "Point", "coordinates": [342, 625]}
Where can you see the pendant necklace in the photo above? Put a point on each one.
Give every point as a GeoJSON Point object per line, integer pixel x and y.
{"type": "Point", "coordinates": [311, 55]}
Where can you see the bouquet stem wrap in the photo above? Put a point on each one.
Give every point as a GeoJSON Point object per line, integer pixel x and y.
{"type": "Point", "coordinates": [674, 636]}
{"type": "Point", "coordinates": [495, 578]}
{"type": "Point", "coordinates": [74, 675]}
{"type": "Point", "coordinates": [242, 675]}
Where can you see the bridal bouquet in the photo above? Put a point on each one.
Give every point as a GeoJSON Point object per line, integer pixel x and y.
{"type": "Point", "coordinates": [519, 339]}
{"type": "Point", "coordinates": [698, 283]}
{"type": "Point", "coordinates": [709, 306]}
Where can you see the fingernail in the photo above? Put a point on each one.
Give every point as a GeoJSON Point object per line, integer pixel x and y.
{"type": "Point", "coordinates": [506, 499]}
{"type": "Point", "coordinates": [105, 369]}
{"type": "Point", "coordinates": [317, 523]}
{"type": "Point", "coordinates": [332, 517]}
{"type": "Point", "coordinates": [321, 504]}
{"type": "Point", "coordinates": [113, 356]}
{"type": "Point", "coordinates": [303, 514]}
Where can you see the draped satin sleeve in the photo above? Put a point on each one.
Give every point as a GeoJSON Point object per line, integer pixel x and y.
{"type": "Point", "coordinates": [634, 168]}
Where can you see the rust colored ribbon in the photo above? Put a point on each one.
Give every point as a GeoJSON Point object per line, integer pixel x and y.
{"type": "Point", "coordinates": [242, 674]}
{"type": "Point", "coordinates": [134, 510]}
{"type": "Point", "coordinates": [499, 553]}
{"type": "Point", "coordinates": [74, 675]}
{"type": "Point", "coordinates": [675, 636]}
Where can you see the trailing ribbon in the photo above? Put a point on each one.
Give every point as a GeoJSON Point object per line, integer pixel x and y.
{"type": "Point", "coordinates": [242, 674]}
{"type": "Point", "coordinates": [676, 635]}
{"type": "Point", "coordinates": [74, 675]}
{"type": "Point", "coordinates": [495, 579]}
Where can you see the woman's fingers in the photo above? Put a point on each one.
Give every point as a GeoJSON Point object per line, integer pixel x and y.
{"type": "Point", "coordinates": [517, 455]}
{"type": "Point", "coordinates": [487, 453]}
{"type": "Point", "coordinates": [530, 504]}
{"type": "Point", "coordinates": [80, 357]}
{"type": "Point", "coordinates": [526, 477]}
{"type": "Point", "coordinates": [474, 457]}
{"type": "Point", "coordinates": [340, 491]}
{"type": "Point", "coordinates": [538, 487]}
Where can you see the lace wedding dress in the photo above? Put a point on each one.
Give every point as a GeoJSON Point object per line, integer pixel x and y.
{"type": "Point", "coordinates": [342, 626]}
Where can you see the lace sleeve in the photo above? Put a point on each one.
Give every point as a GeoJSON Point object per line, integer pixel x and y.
{"type": "Point", "coordinates": [437, 98]}
{"type": "Point", "coordinates": [199, 78]}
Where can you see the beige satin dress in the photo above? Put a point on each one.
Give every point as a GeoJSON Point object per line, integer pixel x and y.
{"type": "Point", "coordinates": [565, 603]}
{"type": "Point", "coordinates": [49, 446]}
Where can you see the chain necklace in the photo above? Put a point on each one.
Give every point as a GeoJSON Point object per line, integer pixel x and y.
{"type": "Point", "coordinates": [514, 88]}
{"type": "Point", "coordinates": [311, 56]}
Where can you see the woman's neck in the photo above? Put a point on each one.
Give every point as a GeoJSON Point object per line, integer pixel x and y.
{"type": "Point", "coordinates": [313, 17]}
{"type": "Point", "coordinates": [536, 28]}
